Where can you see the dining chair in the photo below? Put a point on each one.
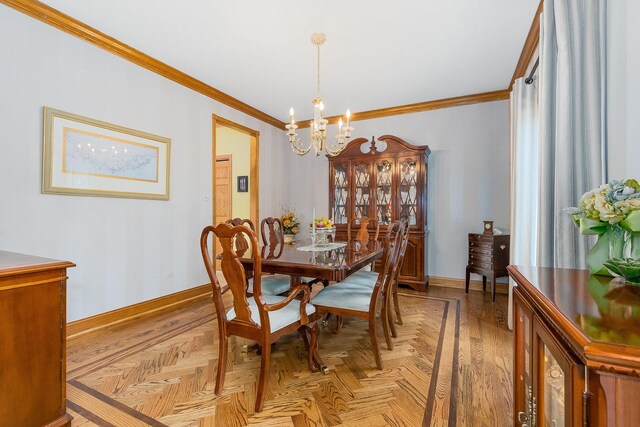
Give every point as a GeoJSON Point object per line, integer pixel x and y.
{"type": "Point", "coordinates": [351, 299]}
{"type": "Point", "coordinates": [272, 231]}
{"type": "Point", "coordinates": [369, 278]}
{"type": "Point", "coordinates": [272, 284]}
{"type": "Point", "coordinates": [363, 232]}
{"type": "Point", "coordinates": [261, 318]}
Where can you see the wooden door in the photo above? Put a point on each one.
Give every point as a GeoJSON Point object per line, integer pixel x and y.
{"type": "Point", "coordinates": [222, 193]}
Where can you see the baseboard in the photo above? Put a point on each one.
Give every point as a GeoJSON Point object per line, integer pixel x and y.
{"type": "Point", "coordinates": [144, 308]}
{"type": "Point", "coordinates": [474, 285]}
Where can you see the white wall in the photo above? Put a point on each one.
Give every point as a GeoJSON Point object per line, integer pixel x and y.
{"type": "Point", "coordinates": [468, 175]}
{"type": "Point", "coordinates": [623, 89]}
{"type": "Point", "coordinates": [127, 250]}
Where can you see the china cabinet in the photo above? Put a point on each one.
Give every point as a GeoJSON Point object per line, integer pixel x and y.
{"type": "Point", "coordinates": [577, 349]}
{"type": "Point", "coordinates": [384, 179]}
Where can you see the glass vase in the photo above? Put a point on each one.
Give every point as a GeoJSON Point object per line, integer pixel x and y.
{"type": "Point", "coordinates": [619, 240]}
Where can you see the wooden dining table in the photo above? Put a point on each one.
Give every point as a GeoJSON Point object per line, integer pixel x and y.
{"type": "Point", "coordinates": [324, 264]}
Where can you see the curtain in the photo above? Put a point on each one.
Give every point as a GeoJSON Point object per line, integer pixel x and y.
{"type": "Point", "coordinates": [524, 176]}
{"type": "Point", "coordinates": [572, 155]}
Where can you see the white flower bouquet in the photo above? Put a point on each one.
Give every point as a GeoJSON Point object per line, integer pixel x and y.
{"type": "Point", "coordinates": [612, 212]}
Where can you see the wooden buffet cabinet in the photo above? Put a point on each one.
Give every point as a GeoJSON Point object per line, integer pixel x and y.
{"type": "Point", "coordinates": [387, 182]}
{"type": "Point", "coordinates": [577, 349]}
{"type": "Point", "coordinates": [32, 341]}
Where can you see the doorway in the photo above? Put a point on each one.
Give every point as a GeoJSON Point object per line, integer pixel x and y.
{"type": "Point", "coordinates": [235, 172]}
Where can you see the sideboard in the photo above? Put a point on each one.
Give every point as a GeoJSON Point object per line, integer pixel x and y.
{"type": "Point", "coordinates": [32, 341]}
{"type": "Point", "coordinates": [576, 349]}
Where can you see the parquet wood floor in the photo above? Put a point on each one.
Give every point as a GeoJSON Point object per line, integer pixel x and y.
{"type": "Point", "coordinates": [451, 365]}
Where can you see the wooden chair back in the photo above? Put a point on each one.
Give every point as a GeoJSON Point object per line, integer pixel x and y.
{"type": "Point", "coordinates": [389, 259]}
{"type": "Point", "coordinates": [241, 243]}
{"type": "Point", "coordinates": [234, 273]}
{"type": "Point", "coordinates": [363, 232]}
{"type": "Point", "coordinates": [404, 240]}
{"type": "Point", "coordinates": [272, 231]}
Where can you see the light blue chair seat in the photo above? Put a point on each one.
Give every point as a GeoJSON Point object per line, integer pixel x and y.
{"type": "Point", "coordinates": [346, 295]}
{"type": "Point", "coordinates": [272, 284]}
{"type": "Point", "coordinates": [277, 319]}
{"type": "Point", "coordinates": [364, 278]}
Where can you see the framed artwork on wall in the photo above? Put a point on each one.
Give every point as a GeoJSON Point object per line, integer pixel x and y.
{"type": "Point", "coordinates": [88, 157]}
{"type": "Point", "coordinates": [243, 184]}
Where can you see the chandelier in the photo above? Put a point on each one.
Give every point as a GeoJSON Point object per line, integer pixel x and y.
{"type": "Point", "coordinates": [318, 125]}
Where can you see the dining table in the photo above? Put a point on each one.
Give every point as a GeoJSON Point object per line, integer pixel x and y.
{"type": "Point", "coordinates": [333, 262]}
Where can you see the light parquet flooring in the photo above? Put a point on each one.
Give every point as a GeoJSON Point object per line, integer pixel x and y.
{"type": "Point", "coordinates": [451, 365]}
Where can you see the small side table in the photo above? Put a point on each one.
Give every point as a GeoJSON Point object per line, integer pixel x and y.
{"type": "Point", "coordinates": [489, 257]}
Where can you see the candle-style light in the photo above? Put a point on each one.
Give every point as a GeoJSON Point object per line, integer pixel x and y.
{"type": "Point", "coordinates": [318, 125]}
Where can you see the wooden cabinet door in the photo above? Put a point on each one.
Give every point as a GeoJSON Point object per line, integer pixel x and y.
{"type": "Point", "coordinates": [558, 381]}
{"type": "Point", "coordinates": [413, 265]}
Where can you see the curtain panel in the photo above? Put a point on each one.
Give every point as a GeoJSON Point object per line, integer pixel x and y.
{"type": "Point", "coordinates": [572, 153]}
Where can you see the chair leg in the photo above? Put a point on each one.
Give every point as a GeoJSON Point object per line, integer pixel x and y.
{"type": "Point", "coordinates": [396, 304]}
{"type": "Point", "coordinates": [222, 362]}
{"type": "Point", "coordinates": [339, 324]}
{"type": "Point", "coordinates": [374, 340]}
{"type": "Point", "coordinates": [264, 375]}
{"type": "Point", "coordinates": [309, 335]}
{"type": "Point", "coordinates": [384, 316]}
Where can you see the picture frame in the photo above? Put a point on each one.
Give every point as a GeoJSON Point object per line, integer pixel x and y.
{"type": "Point", "coordinates": [243, 184]}
{"type": "Point", "coordinates": [82, 156]}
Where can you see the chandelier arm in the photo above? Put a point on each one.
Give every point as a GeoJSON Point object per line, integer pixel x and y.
{"type": "Point", "coordinates": [335, 149]}
{"type": "Point", "coordinates": [298, 146]}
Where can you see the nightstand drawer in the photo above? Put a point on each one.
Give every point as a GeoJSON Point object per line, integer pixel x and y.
{"type": "Point", "coordinates": [480, 238]}
{"type": "Point", "coordinates": [481, 264]}
{"type": "Point", "coordinates": [487, 258]}
{"type": "Point", "coordinates": [483, 249]}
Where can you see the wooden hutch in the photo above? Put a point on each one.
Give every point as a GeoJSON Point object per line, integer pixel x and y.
{"type": "Point", "coordinates": [577, 349]}
{"type": "Point", "coordinates": [384, 179]}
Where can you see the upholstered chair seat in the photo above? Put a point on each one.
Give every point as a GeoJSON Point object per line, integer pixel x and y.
{"type": "Point", "coordinates": [277, 319]}
{"type": "Point", "coordinates": [345, 295]}
{"type": "Point", "coordinates": [272, 284]}
{"type": "Point", "coordinates": [365, 278]}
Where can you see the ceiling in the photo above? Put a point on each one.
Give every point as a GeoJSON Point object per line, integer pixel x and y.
{"type": "Point", "coordinates": [379, 53]}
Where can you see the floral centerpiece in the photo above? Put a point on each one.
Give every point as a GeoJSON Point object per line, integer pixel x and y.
{"type": "Point", "coordinates": [612, 212]}
{"type": "Point", "coordinates": [290, 226]}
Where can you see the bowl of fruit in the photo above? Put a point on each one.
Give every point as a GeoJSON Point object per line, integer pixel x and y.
{"type": "Point", "coordinates": [323, 228]}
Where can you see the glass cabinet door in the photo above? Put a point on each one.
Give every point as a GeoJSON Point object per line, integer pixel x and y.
{"type": "Point", "coordinates": [361, 189]}
{"type": "Point", "coordinates": [553, 386]}
{"type": "Point", "coordinates": [384, 191]}
{"type": "Point", "coordinates": [340, 194]}
{"type": "Point", "coordinates": [523, 361]}
{"type": "Point", "coordinates": [408, 190]}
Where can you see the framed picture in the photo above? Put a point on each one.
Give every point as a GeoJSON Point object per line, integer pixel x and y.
{"type": "Point", "coordinates": [88, 157]}
{"type": "Point", "coordinates": [243, 184]}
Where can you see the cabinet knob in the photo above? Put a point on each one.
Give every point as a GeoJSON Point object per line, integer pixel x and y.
{"type": "Point", "coordinates": [502, 247]}
{"type": "Point", "coordinates": [522, 418]}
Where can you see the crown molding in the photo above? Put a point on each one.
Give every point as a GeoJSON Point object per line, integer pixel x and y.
{"type": "Point", "coordinates": [529, 49]}
{"type": "Point", "coordinates": [61, 21]}
{"type": "Point", "coordinates": [457, 101]}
